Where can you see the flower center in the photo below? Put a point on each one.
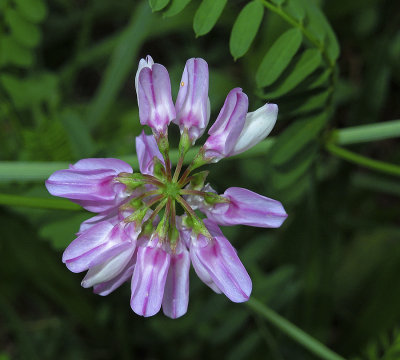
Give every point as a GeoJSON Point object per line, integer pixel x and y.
{"type": "Point", "coordinates": [158, 194]}
{"type": "Point", "coordinates": [171, 189]}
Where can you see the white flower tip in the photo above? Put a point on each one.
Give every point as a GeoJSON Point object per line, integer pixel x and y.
{"type": "Point", "coordinates": [86, 284]}
{"type": "Point", "coordinates": [273, 108]}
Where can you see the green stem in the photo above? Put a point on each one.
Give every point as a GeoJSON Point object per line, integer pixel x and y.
{"type": "Point", "coordinates": [291, 330]}
{"type": "Point", "coordinates": [366, 133]}
{"type": "Point", "coordinates": [40, 170]}
{"type": "Point", "coordinates": [37, 202]}
{"type": "Point", "coordinates": [363, 160]}
{"type": "Point", "coordinates": [292, 21]}
{"type": "Point", "coordinates": [178, 167]}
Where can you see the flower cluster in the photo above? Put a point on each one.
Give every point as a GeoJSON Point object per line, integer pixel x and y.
{"type": "Point", "coordinates": [137, 233]}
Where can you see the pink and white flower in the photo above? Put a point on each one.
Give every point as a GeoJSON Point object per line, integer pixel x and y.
{"type": "Point", "coordinates": [126, 240]}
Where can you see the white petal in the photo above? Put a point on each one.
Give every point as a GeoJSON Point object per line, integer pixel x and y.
{"type": "Point", "coordinates": [257, 127]}
{"type": "Point", "coordinates": [108, 270]}
{"type": "Point", "coordinates": [148, 62]}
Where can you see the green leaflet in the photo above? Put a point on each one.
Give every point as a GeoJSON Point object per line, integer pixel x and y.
{"type": "Point", "coordinates": [60, 233]}
{"type": "Point", "coordinates": [78, 133]}
{"type": "Point", "coordinates": [278, 57]}
{"type": "Point", "coordinates": [33, 10]}
{"type": "Point", "coordinates": [23, 31]}
{"type": "Point", "coordinates": [312, 103]}
{"type": "Point", "coordinates": [12, 53]}
{"type": "Point", "coordinates": [295, 137]}
{"type": "Point", "coordinates": [293, 194]}
{"type": "Point", "coordinates": [307, 63]}
{"type": "Point", "coordinates": [207, 15]}
{"type": "Point", "coordinates": [245, 28]}
{"type": "Point", "coordinates": [31, 90]}
{"type": "Point", "coordinates": [175, 7]}
{"type": "Point", "coordinates": [295, 9]}
{"type": "Point", "coordinates": [157, 5]}
{"type": "Point", "coordinates": [282, 179]}
{"type": "Point", "coordinates": [319, 27]}
{"type": "Point", "coordinates": [278, 2]}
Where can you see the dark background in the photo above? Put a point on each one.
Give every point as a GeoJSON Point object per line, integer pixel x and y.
{"type": "Point", "coordinates": [67, 92]}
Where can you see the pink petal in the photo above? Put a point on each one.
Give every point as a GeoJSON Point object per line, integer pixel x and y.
{"type": "Point", "coordinates": [109, 269]}
{"type": "Point", "coordinates": [192, 101]}
{"type": "Point", "coordinates": [81, 184]}
{"type": "Point", "coordinates": [147, 149]}
{"type": "Point", "coordinates": [220, 259]}
{"type": "Point", "coordinates": [201, 271]}
{"type": "Point", "coordinates": [256, 128]}
{"type": "Point", "coordinates": [228, 126]}
{"type": "Point", "coordinates": [103, 163]}
{"type": "Point", "coordinates": [156, 108]}
{"type": "Point", "coordinates": [176, 293]}
{"type": "Point", "coordinates": [108, 287]}
{"type": "Point", "coordinates": [247, 208]}
{"type": "Point", "coordinates": [95, 246]}
{"type": "Point", "coordinates": [148, 280]}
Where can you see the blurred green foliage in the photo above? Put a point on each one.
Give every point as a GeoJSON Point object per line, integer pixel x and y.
{"type": "Point", "coordinates": [67, 92]}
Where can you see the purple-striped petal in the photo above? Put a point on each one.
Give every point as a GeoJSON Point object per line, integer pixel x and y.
{"type": "Point", "coordinates": [220, 260]}
{"type": "Point", "coordinates": [201, 271]}
{"type": "Point", "coordinates": [108, 287]}
{"type": "Point", "coordinates": [109, 269]}
{"type": "Point", "coordinates": [192, 104]}
{"type": "Point", "coordinates": [116, 165]}
{"type": "Point", "coordinates": [98, 244]}
{"type": "Point", "coordinates": [228, 126]}
{"type": "Point", "coordinates": [156, 108]}
{"type": "Point", "coordinates": [146, 150]}
{"type": "Point", "coordinates": [176, 292]}
{"type": "Point", "coordinates": [256, 128]}
{"type": "Point", "coordinates": [247, 208]}
{"type": "Point", "coordinates": [148, 280]}
{"type": "Point", "coordinates": [148, 62]}
{"type": "Point", "coordinates": [90, 183]}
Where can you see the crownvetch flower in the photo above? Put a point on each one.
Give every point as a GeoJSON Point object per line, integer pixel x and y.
{"type": "Point", "coordinates": [136, 234]}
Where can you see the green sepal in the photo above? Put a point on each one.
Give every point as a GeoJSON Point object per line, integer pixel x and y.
{"type": "Point", "coordinates": [162, 228]}
{"type": "Point", "coordinates": [199, 227]}
{"type": "Point", "coordinates": [199, 160]}
{"type": "Point", "coordinates": [198, 180]}
{"type": "Point", "coordinates": [184, 143]}
{"type": "Point", "coordinates": [187, 221]}
{"type": "Point", "coordinates": [132, 181]}
{"type": "Point", "coordinates": [173, 237]}
{"type": "Point", "coordinates": [159, 170]}
{"type": "Point", "coordinates": [137, 216]}
{"type": "Point", "coordinates": [163, 145]}
{"type": "Point", "coordinates": [136, 203]}
{"type": "Point", "coordinates": [212, 199]}
{"type": "Point", "coordinates": [147, 228]}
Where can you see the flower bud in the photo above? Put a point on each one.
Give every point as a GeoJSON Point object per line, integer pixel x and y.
{"type": "Point", "coordinates": [192, 104]}
{"type": "Point", "coordinates": [228, 126]}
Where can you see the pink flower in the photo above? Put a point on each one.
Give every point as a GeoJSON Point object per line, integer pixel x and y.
{"type": "Point", "coordinates": [128, 240]}
{"type": "Point", "coordinates": [153, 88]}
{"type": "Point", "coordinates": [90, 183]}
{"type": "Point", "coordinates": [192, 104]}
{"type": "Point", "coordinates": [147, 150]}
{"type": "Point", "coordinates": [229, 124]}
{"type": "Point", "coordinates": [149, 278]}
{"type": "Point", "coordinates": [245, 207]}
